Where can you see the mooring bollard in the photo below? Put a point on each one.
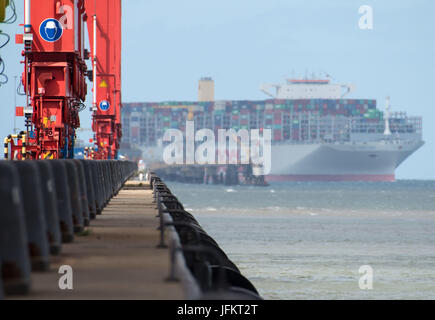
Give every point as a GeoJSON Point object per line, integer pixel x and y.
{"type": "Point", "coordinates": [76, 203]}
{"type": "Point", "coordinates": [104, 182]}
{"type": "Point", "coordinates": [1, 283]}
{"type": "Point", "coordinates": [34, 214]}
{"type": "Point", "coordinates": [90, 189]}
{"type": "Point", "coordinates": [113, 167]}
{"type": "Point", "coordinates": [83, 192]}
{"type": "Point", "coordinates": [96, 177]}
{"type": "Point", "coordinates": [14, 252]}
{"type": "Point", "coordinates": [50, 205]}
{"type": "Point", "coordinates": [63, 200]}
{"type": "Point", "coordinates": [108, 180]}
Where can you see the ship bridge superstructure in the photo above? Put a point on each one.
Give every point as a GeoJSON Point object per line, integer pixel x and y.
{"type": "Point", "coordinates": [307, 89]}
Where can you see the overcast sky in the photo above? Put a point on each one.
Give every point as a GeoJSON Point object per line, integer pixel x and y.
{"type": "Point", "coordinates": [169, 45]}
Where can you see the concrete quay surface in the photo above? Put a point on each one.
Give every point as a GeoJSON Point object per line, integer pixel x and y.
{"type": "Point", "coordinates": [116, 257]}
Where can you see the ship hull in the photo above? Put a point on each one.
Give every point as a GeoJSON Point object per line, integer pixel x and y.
{"type": "Point", "coordinates": [338, 177]}
{"type": "Point", "coordinates": [371, 161]}
{"type": "Point", "coordinates": [374, 161]}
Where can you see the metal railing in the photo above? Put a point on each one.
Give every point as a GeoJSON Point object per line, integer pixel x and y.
{"type": "Point", "coordinates": [215, 274]}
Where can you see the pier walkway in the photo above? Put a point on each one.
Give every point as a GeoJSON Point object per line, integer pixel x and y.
{"type": "Point", "coordinates": [115, 258]}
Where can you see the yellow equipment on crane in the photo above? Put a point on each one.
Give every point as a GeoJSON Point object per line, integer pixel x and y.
{"type": "Point", "coordinates": [3, 5]}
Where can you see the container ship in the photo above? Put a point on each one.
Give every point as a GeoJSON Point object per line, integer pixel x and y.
{"type": "Point", "coordinates": [318, 134]}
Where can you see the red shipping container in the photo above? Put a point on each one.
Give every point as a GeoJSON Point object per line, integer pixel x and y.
{"type": "Point", "coordinates": [277, 135]}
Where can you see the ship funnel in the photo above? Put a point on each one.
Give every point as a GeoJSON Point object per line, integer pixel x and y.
{"type": "Point", "coordinates": [206, 89]}
{"type": "Point", "coordinates": [387, 131]}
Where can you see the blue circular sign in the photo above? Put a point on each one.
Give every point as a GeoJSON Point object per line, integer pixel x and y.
{"type": "Point", "coordinates": [104, 105]}
{"type": "Point", "coordinates": [50, 30]}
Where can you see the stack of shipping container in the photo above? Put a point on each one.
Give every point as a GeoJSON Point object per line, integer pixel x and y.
{"type": "Point", "coordinates": [296, 121]}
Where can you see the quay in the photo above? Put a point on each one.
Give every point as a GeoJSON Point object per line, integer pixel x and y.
{"type": "Point", "coordinates": [83, 229]}
{"type": "Point", "coordinates": [228, 175]}
{"type": "Point", "coordinates": [116, 257]}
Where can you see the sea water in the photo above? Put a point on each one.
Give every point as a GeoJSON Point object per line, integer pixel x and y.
{"type": "Point", "coordinates": [308, 240]}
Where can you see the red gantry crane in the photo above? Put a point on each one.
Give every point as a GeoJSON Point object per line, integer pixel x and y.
{"type": "Point", "coordinates": [54, 77]}
{"type": "Point", "coordinates": [105, 40]}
